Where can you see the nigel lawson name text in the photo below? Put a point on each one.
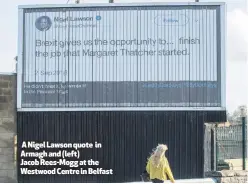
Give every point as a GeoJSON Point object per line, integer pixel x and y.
{"type": "Point", "coordinates": [47, 144]}
{"type": "Point", "coordinates": [62, 19]}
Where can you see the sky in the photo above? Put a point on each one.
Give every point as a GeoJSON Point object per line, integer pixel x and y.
{"type": "Point", "coordinates": [237, 42]}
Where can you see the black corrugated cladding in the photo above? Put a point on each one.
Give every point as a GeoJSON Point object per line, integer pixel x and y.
{"type": "Point", "coordinates": [127, 139]}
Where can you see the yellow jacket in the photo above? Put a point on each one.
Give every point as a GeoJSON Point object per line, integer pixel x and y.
{"type": "Point", "coordinates": [160, 171]}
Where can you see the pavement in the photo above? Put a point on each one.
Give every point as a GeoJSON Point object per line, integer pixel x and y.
{"type": "Point", "coordinates": [201, 180]}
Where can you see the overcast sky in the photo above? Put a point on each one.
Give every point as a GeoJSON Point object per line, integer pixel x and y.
{"type": "Point", "coordinates": [237, 39]}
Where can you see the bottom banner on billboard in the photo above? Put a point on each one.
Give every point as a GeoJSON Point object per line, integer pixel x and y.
{"type": "Point", "coordinates": [121, 94]}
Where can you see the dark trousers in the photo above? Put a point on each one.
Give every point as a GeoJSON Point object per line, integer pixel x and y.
{"type": "Point", "coordinates": [157, 181]}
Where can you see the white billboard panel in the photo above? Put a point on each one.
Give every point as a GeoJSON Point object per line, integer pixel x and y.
{"type": "Point", "coordinates": [122, 56]}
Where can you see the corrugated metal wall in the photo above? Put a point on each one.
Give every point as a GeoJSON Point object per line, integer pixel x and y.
{"type": "Point", "coordinates": [127, 139]}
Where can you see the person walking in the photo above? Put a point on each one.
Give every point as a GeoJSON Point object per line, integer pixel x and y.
{"type": "Point", "coordinates": [158, 166]}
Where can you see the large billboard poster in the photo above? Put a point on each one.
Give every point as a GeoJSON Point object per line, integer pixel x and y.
{"type": "Point", "coordinates": [121, 56]}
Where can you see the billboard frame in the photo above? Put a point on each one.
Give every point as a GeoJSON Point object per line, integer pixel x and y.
{"type": "Point", "coordinates": [21, 55]}
{"type": "Point", "coordinates": [120, 4]}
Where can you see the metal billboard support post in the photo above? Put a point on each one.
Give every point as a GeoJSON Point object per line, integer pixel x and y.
{"type": "Point", "coordinates": [216, 149]}
{"type": "Point", "coordinates": [213, 149]}
{"type": "Point", "coordinates": [243, 115]}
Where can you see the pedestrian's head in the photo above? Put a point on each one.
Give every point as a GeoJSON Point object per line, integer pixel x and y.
{"type": "Point", "coordinates": [161, 149]}
{"type": "Point", "coordinates": [158, 154]}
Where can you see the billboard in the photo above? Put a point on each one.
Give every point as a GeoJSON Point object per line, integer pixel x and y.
{"type": "Point", "coordinates": [145, 55]}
